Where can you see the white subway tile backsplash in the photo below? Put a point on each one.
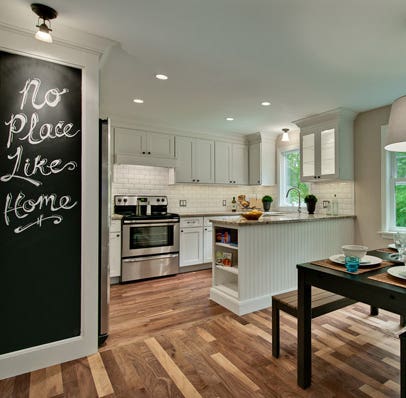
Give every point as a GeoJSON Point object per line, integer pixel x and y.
{"type": "Point", "coordinates": [145, 180]}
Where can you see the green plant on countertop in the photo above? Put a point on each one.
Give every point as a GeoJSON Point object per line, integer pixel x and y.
{"type": "Point", "coordinates": [310, 199]}
{"type": "Point", "coordinates": [267, 198]}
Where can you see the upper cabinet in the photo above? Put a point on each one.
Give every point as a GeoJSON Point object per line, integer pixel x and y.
{"type": "Point", "coordinates": [326, 146]}
{"type": "Point", "coordinates": [262, 166]}
{"type": "Point", "coordinates": [231, 163]}
{"type": "Point", "coordinates": [144, 147]}
{"type": "Point", "coordinates": [194, 160]}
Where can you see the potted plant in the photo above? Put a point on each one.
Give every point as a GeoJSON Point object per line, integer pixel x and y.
{"type": "Point", "coordinates": [266, 202]}
{"type": "Point", "coordinates": [310, 201]}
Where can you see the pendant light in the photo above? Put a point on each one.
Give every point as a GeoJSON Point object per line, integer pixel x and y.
{"type": "Point", "coordinates": [396, 138]}
{"type": "Point", "coordinates": [285, 135]}
{"type": "Point", "coordinates": [45, 14]}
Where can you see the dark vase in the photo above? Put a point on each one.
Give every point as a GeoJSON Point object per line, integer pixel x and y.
{"type": "Point", "coordinates": [267, 205]}
{"type": "Point", "coordinates": [311, 206]}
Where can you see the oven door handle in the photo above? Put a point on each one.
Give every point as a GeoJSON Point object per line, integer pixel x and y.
{"type": "Point", "coordinates": [138, 259]}
{"type": "Point", "coordinates": [159, 224]}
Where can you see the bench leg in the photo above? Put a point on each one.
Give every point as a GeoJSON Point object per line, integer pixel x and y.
{"type": "Point", "coordinates": [374, 311]}
{"type": "Point", "coordinates": [275, 330]}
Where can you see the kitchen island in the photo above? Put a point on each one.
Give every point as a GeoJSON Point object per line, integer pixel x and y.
{"type": "Point", "coordinates": [263, 254]}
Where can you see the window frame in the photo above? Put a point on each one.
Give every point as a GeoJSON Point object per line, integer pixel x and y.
{"type": "Point", "coordinates": [388, 182]}
{"type": "Point", "coordinates": [282, 175]}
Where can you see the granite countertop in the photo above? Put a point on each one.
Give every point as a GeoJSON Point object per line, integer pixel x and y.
{"type": "Point", "coordinates": [116, 216]}
{"type": "Point", "coordinates": [276, 219]}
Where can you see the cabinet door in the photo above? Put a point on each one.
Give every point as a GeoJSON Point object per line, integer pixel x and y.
{"type": "Point", "coordinates": [239, 169]}
{"type": "Point", "coordinates": [115, 254]}
{"type": "Point", "coordinates": [203, 161]}
{"type": "Point", "coordinates": [183, 170]}
{"type": "Point", "coordinates": [255, 164]}
{"type": "Point", "coordinates": [208, 245]}
{"type": "Point", "coordinates": [307, 158]}
{"type": "Point", "coordinates": [327, 153]}
{"type": "Point", "coordinates": [222, 161]}
{"type": "Point", "coordinates": [129, 142]}
{"type": "Point", "coordinates": [160, 145]}
{"type": "Point", "coordinates": [191, 246]}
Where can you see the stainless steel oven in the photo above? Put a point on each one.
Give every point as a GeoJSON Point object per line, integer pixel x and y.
{"type": "Point", "coordinates": [146, 237]}
{"type": "Point", "coordinates": [149, 239]}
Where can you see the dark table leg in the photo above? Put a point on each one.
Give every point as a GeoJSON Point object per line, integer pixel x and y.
{"type": "Point", "coordinates": [304, 332]}
{"type": "Point", "coordinates": [374, 311]}
{"type": "Point", "coordinates": [275, 329]}
{"type": "Point", "coordinates": [403, 365]}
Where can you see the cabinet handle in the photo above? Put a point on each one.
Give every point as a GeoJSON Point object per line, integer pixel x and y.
{"type": "Point", "coordinates": [318, 176]}
{"type": "Point", "coordinates": [143, 152]}
{"type": "Point", "coordinates": [149, 153]}
{"type": "Point", "coordinates": [181, 230]}
{"type": "Point", "coordinates": [195, 180]}
{"type": "Point", "coordinates": [314, 177]}
{"type": "Point", "coordinates": [231, 182]}
{"type": "Point", "coordinates": [234, 182]}
{"type": "Point", "coordinates": [205, 229]}
{"type": "Point", "coordinates": [198, 180]}
{"type": "Point", "coordinates": [118, 235]}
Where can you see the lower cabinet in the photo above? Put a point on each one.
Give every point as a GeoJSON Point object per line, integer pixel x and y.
{"type": "Point", "coordinates": [115, 248]}
{"type": "Point", "coordinates": [195, 241]}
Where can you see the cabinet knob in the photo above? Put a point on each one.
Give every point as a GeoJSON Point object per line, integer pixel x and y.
{"type": "Point", "coordinates": [318, 176]}
{"type": "Point", "coordinates": [118, 235]}
{"type": "Point", "coordinates": [195, 180]}
{"type": "Point", "coordinates": [149, 153]}
{"type": "Point", "coordinates": [143, 152]}
{"type": "Point", "coordinates": [205, 229]}
{"type": "Point", "coordinates": [314, 177]}
{"type": "Point", "coordinates": [181, 230]}
{"type": "Point", "coordinates": [198, 180]}
{"type": "Point", "coordinates": [258, 181]}
{"type": "Point", "coordinates": [234, 182]}
{"type": "Point", "coordinates": [231, 182]}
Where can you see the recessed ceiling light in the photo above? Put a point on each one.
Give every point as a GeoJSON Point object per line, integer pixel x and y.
{"type": "Point", "coordinates": [230, 119]}
{"type": "Point", "coordinates": [161, 77]}
{"type": "Point", "coordinates": [138, 100]}
{"type": "Point", "coordinates": [265, 103]}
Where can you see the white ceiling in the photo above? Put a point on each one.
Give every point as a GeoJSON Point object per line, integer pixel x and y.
{"type": "Point", "coordinates": [223, 57]}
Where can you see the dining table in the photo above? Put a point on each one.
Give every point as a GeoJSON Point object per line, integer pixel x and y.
{"type": "Point", "coordinates": [357, 286]}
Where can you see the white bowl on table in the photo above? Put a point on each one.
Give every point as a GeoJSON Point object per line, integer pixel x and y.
{"type": "Point", "coordinates": [354, 250]}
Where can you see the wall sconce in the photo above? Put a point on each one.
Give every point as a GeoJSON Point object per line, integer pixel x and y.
{"type": "Point", "coordinates": [396, 138]}
{"type": "Point", "coordinates": [285, 135]}
{"type": "Point", "coordinates": [45, 14]}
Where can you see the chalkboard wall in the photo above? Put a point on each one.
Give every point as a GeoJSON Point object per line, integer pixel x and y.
{"type": "Point", "coordinates": [40, 201]}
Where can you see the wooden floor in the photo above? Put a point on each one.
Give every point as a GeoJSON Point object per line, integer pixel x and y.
{"type": "Point", "coordinates": [168, 340]}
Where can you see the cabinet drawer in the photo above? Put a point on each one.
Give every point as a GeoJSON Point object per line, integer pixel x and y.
{"type": "Point", "coordinates": [191, 222]}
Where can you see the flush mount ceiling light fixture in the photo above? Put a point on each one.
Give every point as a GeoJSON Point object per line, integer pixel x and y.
{"type": "Point", "coordinates": [45, 14]}
{"type": "Point", "coordinates": [396, 138]}
{"type": "Point", "coordinates": [285, 135]}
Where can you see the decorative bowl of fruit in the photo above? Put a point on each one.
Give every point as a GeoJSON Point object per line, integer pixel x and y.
{"type": "Point", "coordinates": [252, 215]}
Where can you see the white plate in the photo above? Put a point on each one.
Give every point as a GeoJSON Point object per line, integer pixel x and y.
{"type": "Point", "coordinates": [365, 261]}
{"type": "Point", "coordinates": [392, 246]}
{"type": "Point", "coordinates": [398, 272]}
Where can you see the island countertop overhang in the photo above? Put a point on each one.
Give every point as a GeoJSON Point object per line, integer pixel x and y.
{"type": "Point", "coordinates": [238, 221]}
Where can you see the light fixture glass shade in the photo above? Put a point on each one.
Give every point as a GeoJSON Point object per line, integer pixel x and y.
{"type": "Point", "coordinates": [396, 138]}
{"type": "Point", "coordinates": [43, 34]}
{"type": "Point", "coordinates": [285, 135]}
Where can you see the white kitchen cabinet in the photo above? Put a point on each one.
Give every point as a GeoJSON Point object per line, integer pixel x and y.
{"type": "Point", "coordinates": [115, 248]}
{"type": "Point", "coordinates": [326, 146]}
{"type": "Point", "coordinates": [262, 165]}
{"type": "Point", "coordinates": [191, 246]}
{"type": "Point", "coordinates": [133, 146]}
{"type": "Point", "coordinates": [194, 160]}
{"type": "Point", "coordinates": [231, 163]}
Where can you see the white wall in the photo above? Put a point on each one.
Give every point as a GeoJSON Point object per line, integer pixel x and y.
{"type": "Point", "coordinates": [367, 142]}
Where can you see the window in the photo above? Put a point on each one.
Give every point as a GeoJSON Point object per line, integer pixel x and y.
{"type": "Point", "coordinates": [289, 176]}
{"type": "Point", "coordinates": [393, 189]}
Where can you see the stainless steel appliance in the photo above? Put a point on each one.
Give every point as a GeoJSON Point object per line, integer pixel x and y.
{"type": "Point", "coordinates": [104, 227]}
{"type": "Point", "coordinates": [150, 237]}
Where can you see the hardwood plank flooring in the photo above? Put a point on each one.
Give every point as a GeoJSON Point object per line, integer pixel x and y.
{"type": "Point", "coordinates": [168, 340]}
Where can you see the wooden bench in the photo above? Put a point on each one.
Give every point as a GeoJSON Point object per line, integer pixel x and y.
{"type": "Point", "coordinates": [322, 303]}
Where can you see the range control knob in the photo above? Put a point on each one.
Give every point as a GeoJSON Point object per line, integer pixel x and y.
{"type": "Point", "coordinates": [125, 200]}
{"type": "Point", "coordinates": [118, 200]}
{"type": "Point", "coordinates": [158, 200]}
